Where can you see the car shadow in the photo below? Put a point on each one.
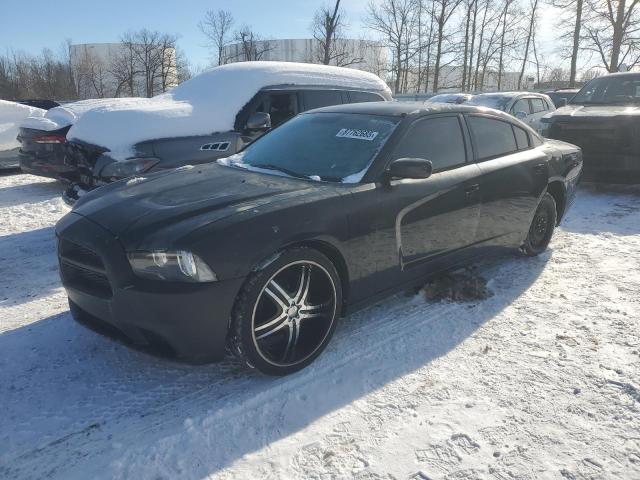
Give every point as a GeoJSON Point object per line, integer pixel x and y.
{"type": "Point", "coordinates": [78, 405]}
{"type": "Point", "coordinates": [605, 208]}
{"type": "Point", "coordinates": [24, 253]}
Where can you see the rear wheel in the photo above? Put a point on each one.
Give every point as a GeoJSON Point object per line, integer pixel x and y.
{"type": "Point", "coordinates": [286, 313]}
{"type": "Point", "coordinates": [542, 227]}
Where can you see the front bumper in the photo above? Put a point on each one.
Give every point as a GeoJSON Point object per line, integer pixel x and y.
{"type": "Point", "coordinates": [612, 167]}
{"type": "Point", "coordinates": [183, 320]}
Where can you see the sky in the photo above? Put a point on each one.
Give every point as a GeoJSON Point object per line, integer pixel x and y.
{"type": "Point", "coordinates": [49, 23]}
{"type": "Point", "coordinates": [91, 21]}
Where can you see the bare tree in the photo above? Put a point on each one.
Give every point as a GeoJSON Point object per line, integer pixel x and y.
{"type": "Point", "coordinates": [326, 23]}
{"type": "Point", "coordinates": [612, 29]}
{"type": "Point", "coordinates": [216, 26]}
{"type": "Point", "coordinates": [444, 11]}
{"type": "Point", "coordinates": [123, 66]}
{"type": "Point", "coordinates": [529, 36]}
{"type": "Point", "coordinates": [394, 20]}
{"type": "Point", "coordinates": [251, 46]}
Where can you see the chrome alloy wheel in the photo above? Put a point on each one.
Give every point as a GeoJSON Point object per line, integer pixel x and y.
{"type": "Point", "coordinates": [294, 313]}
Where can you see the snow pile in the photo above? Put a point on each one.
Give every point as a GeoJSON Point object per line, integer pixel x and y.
{"type": "Point", "coordinates": [69, 113]}
{"type": "Point", "coordinates": [11, 114]}
{"type": "Point", "coordinates": [205, 104]}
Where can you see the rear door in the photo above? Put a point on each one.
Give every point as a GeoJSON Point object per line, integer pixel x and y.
{"type": "Point", "coordinates": [539, 109]}
{"type": "Point", "coordinates": [514, 174]}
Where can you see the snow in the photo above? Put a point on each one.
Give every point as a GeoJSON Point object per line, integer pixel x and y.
{"type": "Point", "coordinates": [69, 113]}
{"type": "Point", "coordinates": [206, 104]}
{"type": "Point", "coordinates": [11, 114]}
{"type": "Point", "coordinates": [539, 381]}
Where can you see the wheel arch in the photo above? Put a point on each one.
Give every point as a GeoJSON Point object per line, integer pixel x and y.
{"type": "Point", "coordinates": [335, 256]}
{"type": "Point", "coordinates": [558, 191]}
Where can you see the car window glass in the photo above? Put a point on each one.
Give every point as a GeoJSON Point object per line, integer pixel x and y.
{"type": "Point", "coordinates": [361, 97]}
{"type": "Point", "coordinates": [280, 106]}
{"type": "Point", "coordinates": [538, 105]}
{"type": "Point", "coordinates": [321, 98]}
{"type": "Point", "coordinates": [437, 139]}
{"type": "Point", "coordinates": [522, 139]}
{"type": "Point", "coordinates": [491, 137]}
{"type": "Point", "coordinates": [521, 105]}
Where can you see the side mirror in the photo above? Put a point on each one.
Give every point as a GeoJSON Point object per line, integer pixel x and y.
{"type": "Point", "coordinates": [521, 115]}
{"type": "Point", "coordinates": [562, 102]}
{"type": "Point", "coordinates": [259, 121]}
{"type": "Point", "coordinates": [410, 168]}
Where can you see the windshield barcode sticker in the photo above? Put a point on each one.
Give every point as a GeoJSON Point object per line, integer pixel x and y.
{"type": "Point", "coordinates": [357, 134]}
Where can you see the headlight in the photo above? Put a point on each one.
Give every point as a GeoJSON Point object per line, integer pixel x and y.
{"type": "Point", "coordinates": [180, 266]}
{"type": "Point", "coordinates": [128, 168]}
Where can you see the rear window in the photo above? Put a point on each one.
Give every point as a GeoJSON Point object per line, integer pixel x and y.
{"type": "Point", "coordinates": [522, 138]}
{"type": "Point", "coordinates": [492, 138]}
{"type": "Point", "coordinates": [361, 97]}
{"type": "Point", "coordinates": [321, 98]}
{"type": "Point", "coordinates": [538, 105]}
{"type": "Point", "coordinates": [499, 102]}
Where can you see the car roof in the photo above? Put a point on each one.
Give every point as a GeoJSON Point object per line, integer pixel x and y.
{"type": "Point", "coordinates": [510, 94]}
{"type": "Point", "coordinates": [406, 109]}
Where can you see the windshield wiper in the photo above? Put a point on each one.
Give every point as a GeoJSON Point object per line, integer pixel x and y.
{"type": "Point", "coordinates": [291, 173]}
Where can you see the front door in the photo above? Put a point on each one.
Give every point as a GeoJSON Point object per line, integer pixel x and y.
{"type": "Point", "coordinates": [410, 225]}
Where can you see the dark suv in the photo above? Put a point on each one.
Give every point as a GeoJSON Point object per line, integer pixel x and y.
{"type": "Point", "coordinates": [603, 118]}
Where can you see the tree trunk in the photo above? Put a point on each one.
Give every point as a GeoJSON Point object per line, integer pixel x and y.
{"type": "Point", "coordinates": [527, 44]}
{"type": "Point", "coordinates": [576, 44]}
{"type": "Point", "coordinates": [466, 50]}
{"type": "Point", "coordinates": [504, 31]}
{"type": "Point", "coordinates": [618, 31]}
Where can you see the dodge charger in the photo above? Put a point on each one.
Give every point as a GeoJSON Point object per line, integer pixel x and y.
{"type": "Point", "coordinates": [261, 253]}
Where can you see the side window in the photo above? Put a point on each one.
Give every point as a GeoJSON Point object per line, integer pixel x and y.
{"type": "Point", "coordinates": [522, 138]}
{"type": "Point", "coordinates": [280, 106]}
{"type": "Point", "coordinates": [521, 105]}
{"type": "Point", "coordinates": [538, 105]}
{"type": "Point", "coordinates": [321, 98]}
{"type": "Point", "coordinates": [437, 139]}
{"type": "Point", "coordinates": [361, 97]}
{"type": "Point", "coordinates": [491, 137]}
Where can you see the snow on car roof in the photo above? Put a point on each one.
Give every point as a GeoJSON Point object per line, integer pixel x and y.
{"type": "Point", "coordinates": [11, 114]}
{"type": "Point", "coordinates": [69, 113]}
{"type": "Point", "coordinates": [205, 104]}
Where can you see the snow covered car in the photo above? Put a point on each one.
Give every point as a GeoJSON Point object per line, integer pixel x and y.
{"type": "Point", "coordinates": [264, 250]}
{"type": "Point", "coordinates": [11, 114]}
{"type": "Point", "coordinates": [43, 139]}
{"type": "Point", "coordinates": [457, 98]}
{"type": "Point", "coordinates": [213, 115]}
{"type": "Point", "coordinates": [529, 107]}
{"type": "Point", "coordinates": [603, 118]}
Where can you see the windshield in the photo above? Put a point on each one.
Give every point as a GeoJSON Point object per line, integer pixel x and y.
{"type": "Point", "coordinates": [499, 102]}
{"type": "Point", "coordinates": [622, 89]}
{"type": "Point", "coordinates": [332, 147]}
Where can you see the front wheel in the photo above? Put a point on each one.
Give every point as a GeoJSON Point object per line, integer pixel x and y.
{"type": "Point", "coordinates": [286, 313]}
{"type": "Point", "coordinates": [542, 227]}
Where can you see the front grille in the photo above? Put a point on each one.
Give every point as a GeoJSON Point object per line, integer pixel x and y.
{"type": "Point", "coordinates": [83, 269]}
{"type": "Point", "coordinates": [593, 137]}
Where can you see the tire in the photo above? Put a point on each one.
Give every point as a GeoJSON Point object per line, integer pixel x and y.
{"type": "Point", "coordinates": [286, 313]}
{"type": "Point", "coordinates": [542, 227]}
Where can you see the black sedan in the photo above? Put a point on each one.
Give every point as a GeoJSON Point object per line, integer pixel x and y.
{"type": "Point", "coordinates": [334, 209]}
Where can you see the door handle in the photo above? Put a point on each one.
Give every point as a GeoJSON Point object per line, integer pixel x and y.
{"type": "Point", "coordinates": [471, 189]}
{"type": "Point", "coordinates": [540, 168]}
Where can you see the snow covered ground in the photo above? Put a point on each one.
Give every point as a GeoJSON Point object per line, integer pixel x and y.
{"type": "Point", "coordinates": [540, 381]}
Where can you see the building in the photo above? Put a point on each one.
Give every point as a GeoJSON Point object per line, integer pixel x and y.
{"type": "Point", "coordinates": [360, 54]}
{"type": "Point", "coordinates": [116, 69]}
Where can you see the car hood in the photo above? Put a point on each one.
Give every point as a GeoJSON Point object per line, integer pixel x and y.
{"type": "Point", "coordinates": [138, 206]}
{"type": "Point", "coordinates": [597, 111]}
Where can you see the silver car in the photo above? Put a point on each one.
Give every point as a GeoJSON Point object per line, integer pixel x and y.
{"type": "Point", "coordinates": [529, 107]}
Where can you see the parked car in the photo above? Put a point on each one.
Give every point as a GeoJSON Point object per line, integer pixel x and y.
{"type": "Point", "coordinates": [529, 107]}
{"type": "Point", "coordinates": [337, 207]}
{"type": "Point", "coordinates": [44, 104]}
{"type": "Point", "coordinates": [11, 114]}
{"type": "Point", "coordinates": [43, 139]}
{"type": "Point", "coordinates": [561, 96]}
{"type": "Point", "coordinates": [603, 118]}
{"type": "Point", "coordinates": [457, 98]}
{"type": "Point", "coordinates": [213, 115]}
